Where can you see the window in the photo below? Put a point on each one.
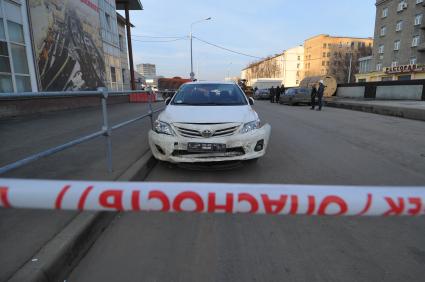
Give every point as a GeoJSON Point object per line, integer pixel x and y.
{"type": "Point", "coordinates": [14, 70]}
{"type": "Point", "coordinates": [383, 31]}
{"type": "Point", "coordinates": [19, 56]}
{"type": "Point", "coordinates": [108, 20]}
{"type": "Point", "coordinates": [2, 32]}
{"type": "Point", "coordinates": [123, 75]}
{"type": "Point", "coordinates": [328, 54]}
{"type": "Point", "coordinates": [113, 75]}
{"type": "Point", "coordinates": [396, 45]}
{"type": "Point", "coordinates": [327, 63]}
{"type": "Point", "coordinates": [378, 67]}
{"type": "Point", "coordinates": [209, 95]}
{"type": "Point", "coordinates": [394, 63]}
{"type": "Point", "coordinates": [384, 13]}
{"type": "Point", "coordinates": [324, 45]}
{"type": "Point", "coordinates": [299, 58]}
{"type": "Point", "coordinates": [401, 5]}
{"type": "Point", "coordinates": [399, 26]}
{"type": "Point", "coordinates": [121, 42]}
{"type": "Point", "coordinates": [324, 54]}
{"type": "Point", "coordinates": [413, 61]}
{"type": "Point", "coordinates": [415, 41]}
{"type": "Point", "coordinates": [298, 66]}
{"type": "Point", "coordinates": [16, 33]}
{"type": "Point", "coordinates": [404, 77]}
{"type": "Point", "coordinates": [323, 63]}
{"type": "Point", "coordinates": [381, 49]}
{"type": "Point", "coordinates": [418, 19]}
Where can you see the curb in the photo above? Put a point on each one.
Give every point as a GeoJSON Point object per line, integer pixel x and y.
{"type": "Point", "coordinates": [415, 114]}
{"type": "Point", "coordinates": [56, 259]}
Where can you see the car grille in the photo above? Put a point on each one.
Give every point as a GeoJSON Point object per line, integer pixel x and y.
{"type": "Point", "coordinates": [230, 152]}
{"type": "Point", "coordinates": [195, 133]}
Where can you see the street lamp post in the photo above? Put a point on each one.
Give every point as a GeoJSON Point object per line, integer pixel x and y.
{"type": "Point", "coordinates": [192, 74]}
{"type": "Point", "coordinates": [351, 63]}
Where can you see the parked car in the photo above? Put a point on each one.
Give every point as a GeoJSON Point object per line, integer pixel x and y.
{"type": "Point", "coordinates": [209, 122]}
{"type": "Point", "coordinates": [294, 96]}
{"type": "Point", "coordinates": [262, 94]}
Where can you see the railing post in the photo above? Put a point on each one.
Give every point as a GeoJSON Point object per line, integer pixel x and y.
{"type": "Point", "coordinates": [150, 96]}
{"type": "Point", "coordinates": [105, 127]}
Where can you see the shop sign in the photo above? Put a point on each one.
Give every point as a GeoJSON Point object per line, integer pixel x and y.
{"type": "Point", "coordinates": [404, 69]}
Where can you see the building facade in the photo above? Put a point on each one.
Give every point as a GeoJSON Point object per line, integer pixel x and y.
{"type": "Point", "coordinates": [147, 70]}
{"type": "Point", "coordinates": [336, 56]}
{"type": "Point", "coordinates": [17, 69]}
{"type": "Point", "coordinates": [122, 42]}
{"type": "Point", "coordinates": [287, 66]}
{"type": "Point", "coordinates": [399, 51]}
{"type": "Point", "coordinates": [61, 45]}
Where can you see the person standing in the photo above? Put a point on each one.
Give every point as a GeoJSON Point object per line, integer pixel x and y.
{"type": "Point", "coordinates": [313, 96]}
{"type": "Point", "coordinates": [277, 94]}
{"type": "Point", "coordinates": [282, 92]}
{"type": "Point", "coordinates": [272, 94]}
{"type": "Point", "coordinates": [320, 92]}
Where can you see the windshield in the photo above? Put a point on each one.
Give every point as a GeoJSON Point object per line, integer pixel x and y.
{"type": "Point", "coordinates": [209, 95]}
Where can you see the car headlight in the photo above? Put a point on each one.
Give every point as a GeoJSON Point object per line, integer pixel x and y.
{"type": "Point", "coordinates": [250, 126]}
{"type": "Point", "coordinates": [163, 128]}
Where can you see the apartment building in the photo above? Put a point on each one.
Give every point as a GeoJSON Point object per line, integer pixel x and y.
{"type": "Point", "coordinates": [147, 70]}
{"type": "Point", "coordinates": [399, 51]}
{"type": "Point", "coordinates": [287, 66]}
{"type": "Point", "coordinates": [334, 55]}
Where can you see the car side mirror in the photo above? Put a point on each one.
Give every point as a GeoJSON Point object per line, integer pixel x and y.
{"type": "Point", "coordinates": [167, 101]}
{"type": "Point", "coordinates": [251, 101]}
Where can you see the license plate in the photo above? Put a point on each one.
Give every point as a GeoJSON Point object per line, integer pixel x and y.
{"type": "Point", "coordinates": [206, 147]}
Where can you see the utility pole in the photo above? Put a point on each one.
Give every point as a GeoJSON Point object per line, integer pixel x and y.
{"type": "Point", "coordinates": [192, 74]}
{"type": "Point", "coordinates": [349, 70]}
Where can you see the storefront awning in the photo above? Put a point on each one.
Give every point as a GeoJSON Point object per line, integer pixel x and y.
{"type": "Point", "coordinates": [132, 4]}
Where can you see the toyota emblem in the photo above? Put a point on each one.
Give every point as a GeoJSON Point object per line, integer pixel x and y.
{"type": "Point", "coordinates": [206, 133]}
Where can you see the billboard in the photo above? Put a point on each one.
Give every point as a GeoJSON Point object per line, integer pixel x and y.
{"type": "Point", "coordinates": [68, 44]}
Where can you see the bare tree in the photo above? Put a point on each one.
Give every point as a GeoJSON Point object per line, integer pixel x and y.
{"type": "Point", "coordinates": [339, 63]}
{"type": "Point", "coordinates": [267, 68]}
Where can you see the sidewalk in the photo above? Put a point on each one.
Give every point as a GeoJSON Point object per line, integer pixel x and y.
{"type": "Point", "coordinates": [24, 232]}
{"type": "Point", "coordinates": [400, 108]}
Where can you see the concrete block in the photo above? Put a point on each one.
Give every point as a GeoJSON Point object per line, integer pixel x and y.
{"type": "Point", "coordinates": [399, 92]}
{"type": "Point", "coordinates": [351, 92]}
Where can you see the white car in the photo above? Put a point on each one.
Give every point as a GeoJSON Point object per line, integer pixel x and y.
{"type": "Point", "coordinates": [208, 122]}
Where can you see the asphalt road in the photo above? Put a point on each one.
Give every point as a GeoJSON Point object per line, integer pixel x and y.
{"type": "Point", "coordinates": [329, 147]}
{"type": "Point", "coordinates": [24, 232]}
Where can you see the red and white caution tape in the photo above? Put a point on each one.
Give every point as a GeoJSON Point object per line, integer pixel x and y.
{"type": "Point", "coordinates": [212, 198]}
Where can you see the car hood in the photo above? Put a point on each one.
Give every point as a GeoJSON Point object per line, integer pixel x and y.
{"type": "Point", "coordinates": [208, 114]}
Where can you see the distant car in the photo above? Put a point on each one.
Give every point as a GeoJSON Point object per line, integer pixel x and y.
{"type": "Point", "coordinates": [294, 96]}
{"type": "Point", "coordinates": [262, 94]}
{"type": "Point", "coordinates": [209, 122]}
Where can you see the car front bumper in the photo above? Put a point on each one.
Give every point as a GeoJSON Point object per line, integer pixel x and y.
{"type": "Point", "coordinates": [238, 147]}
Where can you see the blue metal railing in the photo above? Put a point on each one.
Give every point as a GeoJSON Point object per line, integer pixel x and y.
{"type": "Point", "coordinates": [105, 131]}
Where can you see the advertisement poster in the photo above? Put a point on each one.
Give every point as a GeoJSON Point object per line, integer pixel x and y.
{"type": "Point", "coordinates": [68, 44]}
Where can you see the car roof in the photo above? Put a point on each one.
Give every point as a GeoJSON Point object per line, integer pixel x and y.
{"type": "Point", "coordinates": [211, 82]}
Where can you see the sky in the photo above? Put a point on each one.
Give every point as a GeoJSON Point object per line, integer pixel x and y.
{"type": "Point", "coordinates": [254, 27]}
